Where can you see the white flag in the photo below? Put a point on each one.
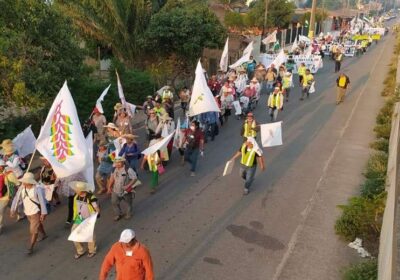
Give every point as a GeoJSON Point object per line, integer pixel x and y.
{"type": "Point", "coordinates": [228, 168]}
{"type": "Point", "coordinates": [101, 99]}
{"type": "Point", "coordinates": [245, 57]}
{"type": "Point", "coordinates": [223, 64]}
{"type": "Point", "coordinates": [271, 134]}
{"type": "Point", "coordinates": [271, 38]}
{"type": "Point", "coordinates": [159, 145]}
{"type": "Point", "coordinates": [202, 99]}
{"type": "Point", "coordinates": [89, 172]}
{"type": "Point", "coordinates": [84, 232]}
{"type": "Point", "coordinates": [281, 58]}
{"type": "Point", "coordinates": [61, 140]}
{"type": "Point", "coordinates": [294, 46]}
{"type": "Point", "coordinates": [178, 136]}
{"type": "Point", "coordinates": [132, 108]}
{"type": "Point", "coordinates": [303, 38]}
{"type": "Point", "coordinates": [120, 91]}
{"type": "Point", "coordinates": [24, 142]}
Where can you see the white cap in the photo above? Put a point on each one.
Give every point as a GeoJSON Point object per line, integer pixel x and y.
{"type": "Point", "coordinates": [127, 235]}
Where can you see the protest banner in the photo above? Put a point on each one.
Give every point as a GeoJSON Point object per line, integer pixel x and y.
{"type": "Point", "coordinates": [313, 62]}
{"type": "Point", "coordinates": [84, 232]}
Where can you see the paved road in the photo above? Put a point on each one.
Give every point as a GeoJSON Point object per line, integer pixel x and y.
{"type": "Point", "coordinates": [202, 227]}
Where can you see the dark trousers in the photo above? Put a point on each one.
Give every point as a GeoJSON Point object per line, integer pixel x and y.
{"type": "Point", "coordinates": [70, 208]}
{"type": "Point", "coordinates": [337, 66]}
{"type": "Point", "coordinates": [191, 156]}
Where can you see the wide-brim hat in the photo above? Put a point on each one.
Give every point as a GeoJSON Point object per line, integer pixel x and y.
{"type": "Point", "coordinates": [111, 125]}
{"type": "Point", "coordinates": [79, 186]}
{"type": "Point", "coordinates": [119, 159]}
{"type": "Point", "coordinates": [118, 106]}
{"type": "Point", "coordinates": [165, 117]}
{"type": "Point", "coordinates": [8, 148]}
{"type": "Point", "coordinates": [28, 178]}
{"type": "Point", "coordinates": [6, 142]}
{"type": "Point", "coordinates": [129, 136]}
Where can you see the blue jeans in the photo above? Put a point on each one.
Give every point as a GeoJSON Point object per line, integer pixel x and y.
{"type": "Point", "coordinates": [133, 163]}
{"type": "Point", "coordinates": [191, 156]}
{"type": "Point", "coordinates": [248, 173]}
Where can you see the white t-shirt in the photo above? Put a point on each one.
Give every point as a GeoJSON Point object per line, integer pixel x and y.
{"type": "Point", "coordinates": [30, 208]}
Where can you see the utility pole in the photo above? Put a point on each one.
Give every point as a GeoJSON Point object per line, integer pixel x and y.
{"type": "Point", "coordinates": [312, 19]}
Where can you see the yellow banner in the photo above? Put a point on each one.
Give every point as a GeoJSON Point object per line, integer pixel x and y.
{"type": "Point", "coordinates": [366, 37]}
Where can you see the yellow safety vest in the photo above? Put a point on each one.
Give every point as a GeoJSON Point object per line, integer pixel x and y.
{"type": "Point", "coordinates": [302, 70]}
{"type": "Point", "coordinates": [152, 161]}
{"type": "Point", "coordinates": [342, 81]}
{"type": "Point", "coordinates": [274, 101]}
{"type": "Point", "coordinates": [75, 208]}
{"type": "Point", "coordinates": [307, 78]}
{"type": "Point", "coordinates": [286, 82]}
{"type": "Point", "coordinates": [248, 157]}
{"type": "Point", "coordinates": [250, 131]}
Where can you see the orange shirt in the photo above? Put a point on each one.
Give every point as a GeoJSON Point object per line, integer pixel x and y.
{"type": "Point", "coordinates": [136, 267]}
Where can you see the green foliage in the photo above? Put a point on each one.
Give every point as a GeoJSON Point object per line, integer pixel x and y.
{"type": "Point", "coordinates": [372, 187]}
{"type": "Point", "coordinates": [361, 217]}
{"type": "Point", "coordinates": [234, 19]}
{"type": "Point", "coordinates": [37, 52]}
{"type": "Point", "coordinates": [184, 32]}
{"type": "Point", "coordinates": [377, 166]}
{"type": "Point", "coordinates": [279, 13]}
{"type": "Point", "coordinates": [383, 130]}
{"type": "Point", "coordinates": [381, 144]}
{"type": "Point", "coordinates": [366, 270]}
{"type": "Point", "coordinates": [319, 16]}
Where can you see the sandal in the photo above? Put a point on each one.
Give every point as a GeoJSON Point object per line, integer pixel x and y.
{"type": "Point", "coordinates": [91, 255]}
{"type": "Point", "coordinates": [77, 256]}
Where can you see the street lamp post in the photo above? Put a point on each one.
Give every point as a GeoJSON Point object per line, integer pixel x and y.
{"type": "Point", "coordinates": [264, 25]}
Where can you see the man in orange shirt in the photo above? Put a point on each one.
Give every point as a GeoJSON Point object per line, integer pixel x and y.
{"type": "Point", "coordinates": [132, 260]}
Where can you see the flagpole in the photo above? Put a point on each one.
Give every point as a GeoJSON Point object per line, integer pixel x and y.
{"type": "Point", "coordinates": [30, 161]}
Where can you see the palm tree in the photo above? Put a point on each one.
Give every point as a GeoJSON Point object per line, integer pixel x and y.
{"type": "Point", "coordinates": [115, 23]}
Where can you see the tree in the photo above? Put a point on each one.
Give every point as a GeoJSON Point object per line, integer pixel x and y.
{"type": "Point", "coordinates": [38, 52]}
{"type": "Point", "coordinates": [114, 23]}
{"type": "Point", "coordinates": [183, 31]}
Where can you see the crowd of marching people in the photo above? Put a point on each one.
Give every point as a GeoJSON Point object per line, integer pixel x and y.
{"type": "Point", "coordinates": [118, 153]}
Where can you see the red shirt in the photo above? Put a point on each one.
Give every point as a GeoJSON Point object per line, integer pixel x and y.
{"type": "Point", "coordinates": [3, 187]}
{"type": "Point", "coordinates": [193, 138]}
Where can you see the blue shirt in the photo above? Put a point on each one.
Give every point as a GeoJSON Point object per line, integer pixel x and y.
{"type": "Point", "coordinates": [130, 152]}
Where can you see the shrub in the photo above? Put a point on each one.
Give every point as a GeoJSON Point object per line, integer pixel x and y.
{"type": "Point", "coordinates": [383, 130]}
{"type": "Point", "coordinates": [377, 166]}
{"type": "Point", "coordinates": [366, 270]}
{"type": "Point", "coordinates": [361, 218]}
{"type": "Point", "coordinates": [372, 187]}
{"type": "Point", "coordinates": [381, 145]}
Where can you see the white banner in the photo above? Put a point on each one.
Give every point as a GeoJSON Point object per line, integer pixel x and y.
{"type": "Point", "coordinates": [159, 145]}
{"type": "Point", "coordinates": [271, 38]}
{"type": "Point", "coordinates": [271, 134]}
{"type": "Point", "coordinates": [245, 57]}
{"type": "Point", "coordinates": [84, 232]}
{"type": "Point", "coordinates": [223, 64]}
{"type": "Point", "coordinates": [89, 172]}
{"type": "Point", "coordinates": [313, 62]}
{"type": "Point", "coordinates": [25, 142]}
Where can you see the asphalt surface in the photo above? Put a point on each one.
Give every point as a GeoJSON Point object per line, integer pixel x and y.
{"type": "Point", "coordinates": [203, 227]}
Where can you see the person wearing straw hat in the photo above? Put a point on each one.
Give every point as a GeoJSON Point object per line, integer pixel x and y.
{"type": "Point", "coordinates": [255, 85]}
{"type": "Point", "coordinates": [151, 125]}
{"type": "Point", "coordinates": [165, 127]}
{"type": "Point", "coordinates": [32, 198]}
{"type": "Point", "coordinates": [8, 184]}
{"type": "Point", "coordinates": [130, 151]}
{"type": "Point", "coordinates": [112, 134]}
{"type": "Point", "coordinates": [117, 108]}
{"type": "Point", "coordinates": [12, 159]}
{"type": "Point", "coordinates": [132, 260]}
{"type": "Point", "coordinates": [99, 120]}
{"type": "Point", "coordinates": [123, 122]}
{"type": "Point", "coordinates": [121, 187]}
{"type": "Point", "coordinates": [251, 156]}
{"type": "Point", "coordinates": [85, 205]}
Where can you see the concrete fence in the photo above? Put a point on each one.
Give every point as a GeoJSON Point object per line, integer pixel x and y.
{"type": "Point", "coordinates": [388, 268]}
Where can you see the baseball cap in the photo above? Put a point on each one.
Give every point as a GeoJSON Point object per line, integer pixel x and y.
{"type": "Point", "coordinates": [127, 235]}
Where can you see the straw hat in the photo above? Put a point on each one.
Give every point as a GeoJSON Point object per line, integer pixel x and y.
{"type": "Point", "coordinates": [111, 125]}
{"type": "Point", "coordinates": [165, 117]}
{"type": "Point", "coordinates": [118, 106]}
{"type": "Point", "coordinates": [6, 142]}
{"type": "Point", "coordinates": [28, 178]}
{"type": "Point", "coordinates": [79, 186]}
{"type": "Point", "coordinates": [119, 159]}
{"type": "Point", "coordinates": [129, 136]}
{"type": "Point", "coordinates": [8, 148]}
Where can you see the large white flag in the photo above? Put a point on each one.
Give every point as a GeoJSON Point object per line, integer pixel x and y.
{"type": "Point", "coordinates": [245, 57]}
{"type": "Point", "coordinates": [25, 142]}
{"type": "Point", "coordinates": [89, 172]}
{"type": "Point", "coordinates": [84, 232]}
{"type": "Point", "coordinates": [223, 64]}
{"type": "Point", "coordinates": [159, 145]}
{"type": "Point", "coordinates": [101, 99]}
{"type": "Point", "coordinates": [120, 91]}
{"type": "Point", "coordinates": [271, 134]}
{"type": "Point", "coordinates": [61, 140]}
{"type": "Point", "coordinates": [202, 99]}
{"type": "Point", "coordinates": [271, 38]}
{"type": "Point", "coordinates": [178, 137]}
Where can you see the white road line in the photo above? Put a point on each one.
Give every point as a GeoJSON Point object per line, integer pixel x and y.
{"type": "Point", "coordinates": [306, 212]}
